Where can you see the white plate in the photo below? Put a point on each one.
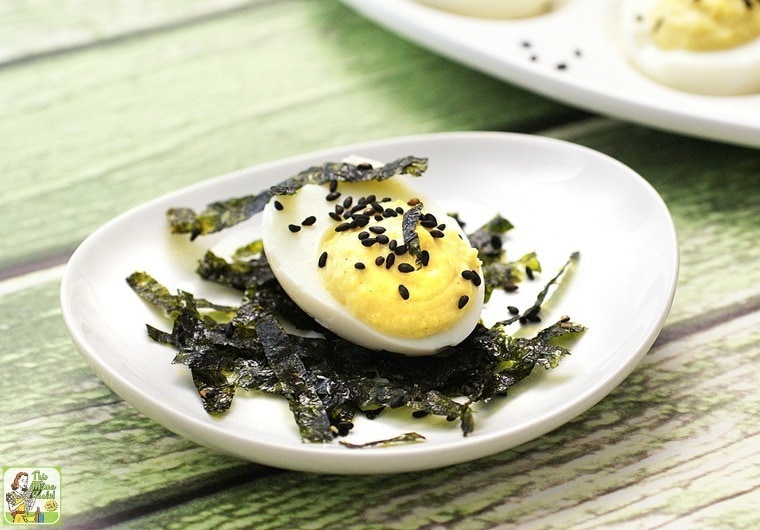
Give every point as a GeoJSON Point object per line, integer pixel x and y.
{"type": "Point", "coordinates": [600, 79]}
{"type": "Point", "coordinates": [560, 196]}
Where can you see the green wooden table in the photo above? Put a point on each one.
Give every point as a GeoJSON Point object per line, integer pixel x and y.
{"type": "Point", "coordinates": [104, 105]}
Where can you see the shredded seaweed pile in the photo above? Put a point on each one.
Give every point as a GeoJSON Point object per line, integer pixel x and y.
{"type": "Point", "coordinates": [260, 344]}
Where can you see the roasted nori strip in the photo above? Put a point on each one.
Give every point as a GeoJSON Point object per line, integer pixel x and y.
{"type": "Point", "coordinates": [533, 310]}
{"type": "Point", "coordinates": [224, 214]}
{"type": "Point", "coordinates": [308, 409]}
{"type": "Point", "coordinates": [487, 239]}
{"type": "Point", "coordinates": [409, 222]}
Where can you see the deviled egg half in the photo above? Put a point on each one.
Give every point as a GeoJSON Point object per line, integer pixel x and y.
{"type": "Point", "coordinates": [339, 251]}
{"type": "Point", "coordinates": [494, 8]}
{"type": "Point", "coordinates": [709, 47]}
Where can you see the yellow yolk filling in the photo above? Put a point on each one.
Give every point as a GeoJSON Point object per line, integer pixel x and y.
{"type": "Point", "coordinates": [428, 300]}
{"type": "Point", "coordinates": [705, 25]}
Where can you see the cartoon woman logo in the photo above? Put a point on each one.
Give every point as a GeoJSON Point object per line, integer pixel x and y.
{"type": "Point", "coordinates": [20, 501]}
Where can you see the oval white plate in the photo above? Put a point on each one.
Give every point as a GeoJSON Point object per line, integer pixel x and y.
{"type": "Point", "coordinates": [560, 196]}
{"type": "Point", "coordinates": [598, 78]}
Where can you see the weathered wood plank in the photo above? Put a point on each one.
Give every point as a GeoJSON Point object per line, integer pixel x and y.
{"type": "Point", "coordinates": [43, 27]}
{"type": "Point", "coordinates": [87, 135]}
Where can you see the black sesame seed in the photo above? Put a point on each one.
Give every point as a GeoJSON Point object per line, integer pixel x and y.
{"type": "Point", "coordinates": [512, 310]}
{"type": "Point", "coordinates": [332, 196]}
{"type": "Point", "coordinates": [379, 260]}
{"type": "Point", "coordinates": [368, 242]}
{"type": "Point", "coordinates": [561, 66]}
{"type": "Point", "coordinates": [363, 235]}
{"type": "Point", "coordinates": [348, 201]}
{"type": "Point", "coordinates": [437, 233]}
{"type": "Point", "coordinates": [392, 244]}
{"type": "Point", "coordinates": [405, 268]}
{"type": "Point", "coordinates": [404, 292]}
{"type": "Point", "coordinates": [322, 259]}
{"type": "Point", "coordinates": [333, 185]}
{"type": "Point", "coordinates": [342, 227]}
{"type": "Point", "coordinates": [382, 239]}
{"type": "Point", "coordinates": [359, 265]}
{"type": "Point", "coordinates": [428, 223]}
{"type": "Point", "coordinates": [420, 413]}
{"type": "Point", "coordinates": [388, 212]}
{"type": "Point", "coordinates": [467, 275]}
{"type": "Point", "coordinates": [335, 216]}
{"type": "Point", "coordinates": [361, 220]}
{"type": "Point", "coordinates": [390, 260]}
{"type": "Point", "coordinates": [377, 229]}
{"type": "Point", "coordinates": [278, 205]}
{"type": "Point", "coordinates": [425, 257]}
{"type": "Point", "coordinates": [309, 221]}
{"type": "Point", "coordinates": [463, 301]}
{"type": "Point", "coordinates": [378, 217]}
{"type": "Point", "coordinates": [294, 228]}
{"type": "Point", "coordinates": [400, 250]}
{"type": "Point", "coordinates": [339, 209]}
{"type": "Point", "coordinates": [399, 210]}
{"type": "Point", "coordinates": [442, 226]}
{"type": "Point", "coordinates": [386, 199]}
{"type": "Point", "coordinates": [476, 281]}
{"type": "Point", "coordinates": [376, 206]}
{"type": "Point", "coordinates": [370, 198]}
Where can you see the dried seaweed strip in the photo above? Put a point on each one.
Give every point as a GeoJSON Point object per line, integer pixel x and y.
{"type": "Point", "coordinates": [532, 312]}
{"type": "Point", "coordinates": [346, 172]}
{"type": "Point", "coordinates": [407, 437]}
{"type": "Point", "coordinates": [409, 222]}
{"type": "Point", "coordinates": [238, 274]}
{"type": "Point", "coordinates": [308, 410]}
{"type": "Point", "coordinates": [488, 239]}
{"type": "Point", "coordinates": [224, 214]}
{"type": "Point", "coordinates": [159, 296]}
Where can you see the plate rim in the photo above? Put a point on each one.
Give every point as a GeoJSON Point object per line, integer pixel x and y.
{"type": "Point", "coordinates": [372, 460]}
{"type": "Point", "coordinates": [392, 15]}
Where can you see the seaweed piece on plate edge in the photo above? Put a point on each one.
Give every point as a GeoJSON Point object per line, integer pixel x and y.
{"type": "Point", "coordinates": [223, 214]}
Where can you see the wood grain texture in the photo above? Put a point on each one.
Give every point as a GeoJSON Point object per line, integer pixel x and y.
{"type": "Point", "coordinates": [30, 30]}
{"type": "Point", "coordinates": [118, 124]}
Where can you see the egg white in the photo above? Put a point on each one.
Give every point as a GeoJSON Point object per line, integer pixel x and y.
{"type": "Point", "coordinates": [729, 72]}
{"type": "Point", "coordinates": [494, 8]}
{"type": "Point", "coordinates": [293, 259]}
